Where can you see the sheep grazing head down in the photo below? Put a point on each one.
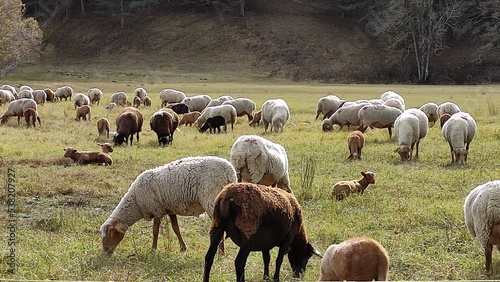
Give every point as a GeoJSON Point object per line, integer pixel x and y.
{"type": "Point", "coordinates": [405, 152]}
{"type": "Point", "coordinates": [112, 233]}
{"type": "Point", "coordinates": [164, 140]}
{"type": "Point", "coordinates": [119, 139]}
{"type": "Point", "coordinates": [297, 260]}
{"type": "Point", "coordinates": [460, 155]}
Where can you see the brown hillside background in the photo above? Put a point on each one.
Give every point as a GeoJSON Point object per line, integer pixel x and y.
{"type": "Point", "coordinates": [277, 39]}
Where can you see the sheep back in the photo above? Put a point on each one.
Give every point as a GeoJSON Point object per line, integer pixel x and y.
{"type": "Point", "coordinates": [243, 106]}
{"type": "Point", "coordinates": [197, 103]}
{"type": "Point", "coordinates": [163, 123]}
{"type": "Point", "coordinates": [327, 104]}
{"type": "Point", "coordinates": [127, 123]}
{"type": "Point", "coordinates": [64, 92]}
{"type": "Point", "coordinates": [17, 108]}
{"type": "Point", "coordinates": [168, 96]}
{"type": "Point", "coordinates": [276, 113]}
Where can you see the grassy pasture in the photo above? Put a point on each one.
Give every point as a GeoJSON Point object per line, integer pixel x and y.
{"type": "Point", "coordinates": [414, 209]}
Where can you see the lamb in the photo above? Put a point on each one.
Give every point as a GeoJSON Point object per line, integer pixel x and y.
{"type": "Point", "coordinates": [186, 187]}
{"type": "Point", "coordinates": [430, 110]}
{"type": "Point", "coordinates": [10, 88]}
{"type": "Point", "coordinates": [50, 95]}
{"type": "Point", "coordinates": [214, 123]}
{"type": "Point", "coordinates": [410, 127]}
{"type": "Point", "coordinates": [6, 96]}
{"type": "Point", "coordinates": [64, 92]}
{"type": "Point", "coordinates": [168, 96]}
{"type": "Point", "coordinates": [95, 95]}
{"type": "Point", "coordinates": [141, 93]}
{"type": "Point", "coordinates": [346, 115]}
{"type": "Point", "coordinates": [81, 99]}
{"type": "Point", "coordinates": [189, 118]}
{"type": "Point", "coordinates": [197, 103]}
{"type": "Point", "coordinates": [120, 99]}
{"type": "Point", "coordinates": [258, 160]}
{"type": "Point", "coordinates": [127, 123]}
{"type": "Point", "coordinates": [227, 111]}
{"type": "Point", "coordinates": [147, 102]}
{"type": "Point", "coordinates": [31, 116]}
{"type": "Point", "coordinates": [17, 108]}
{"type": "Point", "coordinates": [82, 112]}
{"type": "Point", "coordinates": [378, 116]}
{"type": "Point", "coordinates": [27, 94]}
{"type": "Point", "coordinates": [39, 96]}
{"type": "Point", "coordinates": [90, 157]}
{"type": "Point", "coordinates": [328, 104]}
{"type": "Point", "coordinates": [243, 106]}
{"type": "Point", "coordinates": [459, 131]}
{"type": "Point", "coordinates": [276, 113]}
{"type": "Point", "coordinates": [164, 123]}
{"type": "Point", "coordinates": [111, 106]}
{"type": "Point", "coordinates": [482, 216]}
{"type": "Point", "coordinates": [355, 143]}
{"type": "Point", "coordinates": [103, 126]}
{"type": "Point", "coordinates": [356, 259]}
{"type": "Point", "coordinates": [137, 102]}
{"type": "Point", "coordinates": [346, 187]}
{"type": "Point", "coordinates": [259, 218]}
{"type": "Point", "coordinates": [257, 118]}
{"type": "Point", "coordinates": [179, 108]}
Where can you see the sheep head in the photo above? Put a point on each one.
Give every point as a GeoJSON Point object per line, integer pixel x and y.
{"type": "Point", "coordinates": [119, 139]}
{"type": "Point", "coordinates": [405, 152]}
{"type": "Point", "coordinates": [70, 152]}
{"type": "Point", "coordinates": [299, 256]}
{"type": "Point", "coordinates": [327, 126]}
{"type": "Point", "coordinates": [112, 233]}
{"type": "Point", "coordinates": [460, 155]}
{"type": "Point", "coordinates": [107, 147]}
{"type": "Point", "coordinates": [369, 176]}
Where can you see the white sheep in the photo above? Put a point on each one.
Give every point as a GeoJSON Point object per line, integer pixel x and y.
{"type": "Point", "coordinates": [356, 259]}
{"type": "Point", "coordinates": [6, 96]}
{"type": "Point", "coordinates": [227, 111]}
{"type": "Point", "coordinates": [64, 92]}
{"type": "Point", "coordinates": [378, 116]}
{"type": "Point", "coordinates": [258, 160]}
{"type": "Point", "coordinates": [447, 108]}
{"type": "Point", "coordinates": [275, 112]}
{"type": "Point", "coordinates": [95, 95]}
{"type": "Point", "coordinates": [328, 105]}
{"type": "Point", "coordinates": [26, 87]}
{"type": "Point", "coordinates": [482, 216]}
{"type": "Point", "coordinates": [430, 110]}
{"type": "Point", "coordinates": [459, 131]}
{"type": "Point", "coordinates": [120, 99]}
{"type": "Point", "coordinates": [344, 116]}
{"type": "Point", "coordinates": [396, 103]}
{"type": "Point", "coordinates": [111, 106]}
{"type": "Point", "coordinates": [410, 127]}
{"type": "Point", "coordinates": [169, 96]}
{"type": "Point", "coordinates": [392, 95]}
{"type": "Point", "coordinates": [186, 187]}
{"type": "Point", "coordinates": [219, 101]}
{"type": "Point", "coordinates": [197, 103]}
{"type": "Point", "coordinates": [25, 93]}
{"type": "Point", "coordinates": [243, 106]}
{"type": "Point", "coordinates": [10, 88]}
{"type": "Point", "coordinates": [81, 99]}
{"type": "Point", "coordinates": [17, 108]}
{"type": "Point", "coordinates": [39, 96]}
{"type": "Point", "coordinates": [141, 93]}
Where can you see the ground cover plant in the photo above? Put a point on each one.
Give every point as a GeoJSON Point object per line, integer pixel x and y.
{"type": "Point", "coordinates": [415, 210]}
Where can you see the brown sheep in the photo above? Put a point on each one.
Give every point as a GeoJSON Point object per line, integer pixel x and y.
{"type": "Point", "coordinates": [137, 102]}
{"type": "Point", "coordinates": [443, 119]}
{"type": "Point", "coordinates": [355, 142]}
{"type": "Point", "coordinates": [147, 102]}
{"type": "Point", "coordinates": [356, 259]}
{"type": "Point", "coordinates": [88, 157]}
{"type": "Point", "coordinates": [31, 116]}
{"type": "Point", "coordinates": [103, 126]}
{"type": "Point", "coordinates": [345, 187]}
{"type": "Point", "coordinates": [164, 123]}
{"type": "Point", "coordinates": [256, 119]}
{"type": "Point", "coordinates": [82, 112]}
{"type": "Point", "coordinates": [50, 95]}
{"type": "Point", "coordinates": [127, 123]}
{"type": "Point", "coordinates": [189, 118]}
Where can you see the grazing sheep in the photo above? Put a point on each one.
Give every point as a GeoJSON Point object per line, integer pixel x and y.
{"type": "Point", "coordinates": [88, 157]}
{"type": "Point", "coordinates": [276, 113]}
{"type": "Point", "coordinates": [459, 131]}
{"type": "Point", "coordinates": [25, 87]}
{"type": "Point", "coordinates": [120, 99]}
{"type": "Point", "coordinates": [111, 106]}
{"type": "Point", "coordinates": [127, 123]}
{"type": "Point", "coordinates": [447, 108]}
{"type": "Point", "coordinates": [17, 108]}
{"type": "Point", "coordinates": [259, 218]}
{"type": "Point", "coordinates": [50, 95]}
{"type": "Point", "coordinates": [392, 95]}
{"type": "Point", "coordinates": [39, 96]}
{"type": "Point", "coordinates": [147, 102]}
{"type": "Point", "coordinates": [257, 119]}
{"type": "Point", "coordinates": [345, 116]}
{"type": "Point", "coordinates": [168, 96]}
{"type": "Point", "coordinates": [95, 95]}
{"type": "Point", "coordinates": [137, 102]}
{"type": "Point", "coordinates": [258, 160]}
{"type": "Point", "coordinates": [197, 103]}
{"type": "Point", "coordinates": [31, 116]}
{"type": "Point", "coordinates": [10, 88]}
{"type": "Point", "coordinates": [179, 108]}
{"type": "Point", "coordinates": [26, 94]}
{"type": "Point", "coordinates": [243, 106]}
{"type": "Point", "coordinates": [410, 127]}
{"type": "Point", "coordinates": [189, 118]}
{"type": "Point", "coordinates": [396, 103]}
{"type": "Point", "coordinates": [219, 101]}
{"type": "Point", "coordinates": [356, 259]}
{"type": "Point", "coordinates": [227, 111]}
{"type": "Point", "coordinates": [164, 123]}
{"type": "Point", "coordinates": [443, 119]}
{"type": "Point", "coordinates": [346, 187]}
{"type": "Point", "coordinates": [378, 116]}
{"type": "Point", "coordinates": [64, 92]}
{"type": "Point", "coordinates": [482, 216]}
{"type": "Point", "coordinates": [355, 143]}
{"type": "Point", "coordinates": [328, 104]}
{"type": "Point", "coordinates": [82, 112]}
{"type": "Point", "coordinates": [103, 126]}
{"type": "Point", "coordinates": [186, 187]}
{"type": "Point", "coordinates": [81, 99]}
{"type": "Point", "coordinates": [214, 123]}
{"type": "Point", "coordinates": [141, 93]}
{"type": "Point", "coordinates": [6, 96]}
{"type": "Point", "coordinates": [430, 110]}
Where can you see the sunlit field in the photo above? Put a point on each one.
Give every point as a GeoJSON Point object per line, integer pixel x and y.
{"type": "Point", "coordinates": [415, 209]}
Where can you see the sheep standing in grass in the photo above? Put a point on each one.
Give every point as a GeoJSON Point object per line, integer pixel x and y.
{"type": "Point", "coordinates": [214, 123]}
{"type": "Point", "coordinates": [147, 102]}
{"type": "Point", "coordinates": [189, 118]}
{"type": "Point", "coordinates": [81, 99]}
{"type": "Point", "coordinates": [378, 116]}
{"type": "Point", "coordinates": [344, 116]}
{"type": "Point", "coordinates": [164, 123]}
{"type": "Point", "coordinates": [355, 143]}
{"type": "Point", "coordinates": [410, 127]}
{"type": "Point", "coordinates": [82, 113]}
{"type": "Point", "coordinates": [168, 96]}
{"type": "Point", "coordinates": [17, 108]}
{"type": "Point", "coordinates": [186, 187]}
{"type": "Point", "coordinates": [95, 95]}
{"type": "Point", "coordinates": [446, 110]}
{"type": "Point", "coordinates": [39, 96]}
{"type": "Point", "coordinates": [50, 95]}
{"type": "Point", "coordinates": [64, 92]}
{"type": "Point", "coordinates": [482, 217]}
{"type": "Point", "coordinates": [6, 96]}
{"type": "Point", "coordinates": [459, 131]}
{"type": "Point", "coordinates": [137, 102]}
{"type": "Point", "coordinates": [141, 93]}
{"type": "Point", "coordinates": [258, 160]}
{"type": "Point", "coordinates": [392, 95]}
{"type": "Point", "coordinates": [257, 119]}
{"type": "Point", "coordinates": [120, 99]}
{"type": "Point", "coordinates": [243, 106]}
{"type": "Point", "coordinates": [227, 111]}
{"type": "Point", "coordinates": [26, 94]}
{"type": "Point", "coordinates": [179, 108]}
{"type": "Point", "coordinates": [127, 123]}
{"type": "Point", "coordinates": [10, 88]}
{"type": "Point", "coordinates": [103, 126]}
{"type": "Point", "coordinates": [31, 116]}
{"type": "Point", "coordinates": [346, 187]}
{"type": "Point", "coordinates": [259, 218]}
{"type": "Point", "coordinates": [275, 112]}
{"type": "Point", "coordinates": [328, 105]}
{"type": "Point", "coordinates": [219, 101]}
{"type": "Point", "coordinates": [197, 103]}
{"type": "Point", "coordinates": [356, 259]}
{"type": "Point", "coordinates": [430, 110]}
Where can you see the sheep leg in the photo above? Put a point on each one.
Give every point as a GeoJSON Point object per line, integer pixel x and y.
{"type": "Point", "coordinates": [250, 117]}
{"type": "Point", "coordinates": [177, 231]}
{"type": "Point", "coordinates": [390, 132]}
{"type": "Point", "coordinates": [216, 234]}
{"type": "Point", "coordinates": [452, 154]}
{"type": "Point", "coordinates": [488, 249]}
{"type": "Point", "coordinates": [240, 262]}
{"type": "Point", "coordinates": [467, 151]}
{"type": "Point", "coordinates": [156, 230]}
{"type": "Point", "coordinates": [279, 259]}
{"type": "Point", "coordinates": [416, 153]}
{"type": "Point", "coordinates": [266, 258]}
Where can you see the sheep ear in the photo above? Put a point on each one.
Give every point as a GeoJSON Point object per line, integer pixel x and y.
{"type": "Point", "coordinates": [313, 250]}
{"type": "Point", "coordinates": [120, 227]}
{"type": "Point", "coordinates": [363, 173]}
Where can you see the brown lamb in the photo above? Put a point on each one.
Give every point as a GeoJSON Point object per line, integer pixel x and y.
{"type": "Point", "coordinates": [345, 187]}
{"type": "Point", "coordinates": [355, 142]}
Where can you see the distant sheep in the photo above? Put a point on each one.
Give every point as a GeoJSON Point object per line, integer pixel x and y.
{"type": "Point", "coordinates": [459, 131]}
{"type": "Point", "coordinates": [396, 103]}
{"type": "Point", "coordinates": [410, 127]}
{"type": "Point", "coordinates": [186, 187]}
{"type": "Point", "coordinates": [189, 118]}
{"type": "Point", "coordinates": [39, 96]}
{"type": "Point", "coordinates": [275, 112]}
{"type": "Point", "coordinates": [356, 259]}
{"type": "Point", "coordinates": [141, 93]}
{"type": "Point", "coordinates": [80, 99]}
{"type": "Point", "coordinates": [214, 123]}
{"type": "Point", "coordinates": [25, 87]}
{"type": "Point", "coordinates": [197, 103]}
{"type": "Point", "coordinates": [17, 108]}
{"type": "Point", "coordinates": [227, 111]}
{"type": "Point", "coordinates": [50, 95]}
{"type": "Point", "coordinates": [482, 217]}
{"type": "Point", "coordinates": [257, 119]}
{"type": "Point", "coordinates": [168, 96]}
{"type": "Point", "coordinates": [378, 116]}
{"type": "Point", "coordinates": [447, 109]}
{"type": "Point", "coordinates": [120, 99]}
{"type": "Point", "coordinates": [31, 116]}
{"type": "Point", "coordinates": [345, 116]}
{"type": "Point", "coordinates": [243, 106]}
{"type": "Point", "coordinates": [430, 110]}
{"type": "Point", "coordinates": [328, 104]}
{"type": "Point", "coordinates": [88, 157]}
{"type": "Point", "coordinates": [82, 113]}
{"type": "Point", "coordinates": [164, 122]}
{"type": "Point", "coordinates": [64, 92]}
{"type": "Point", "coordinates": [355, 143]}
{"type": "Point", "coordinates": [179, 108]}
{"type": "Point", "coordinates": [258, 160]}
{"type": "Point", "coordinates": [258, 218]}
{"type": "Point", "coordinates": [10, 88]}
{"type": "Point", "coordinates": [346, 187]}
{"type": "Point", "coordinates": [26, 94]}
{"type": "Point", "coordinates": [392, 95]}
{"type": "Point", "coordinates": [219, 101]}
{"type": "Point", "coordinates": [95, 95]}
{"type": "Point", "coordinates": [147, 102]}
{"type": "Point", "coordinates": [128, 123]}
{"type": "Point", "coordinates": [137, 102]}
{"type": "Point", "coordinates": [111, 106]}
{"type": "Point", "coordinates": [6, 96]}
{"type": "Point", "coordinates": [103, 126]}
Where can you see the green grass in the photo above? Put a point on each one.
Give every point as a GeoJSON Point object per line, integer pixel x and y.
{"type": "Point", "coordinates": [414, 209]}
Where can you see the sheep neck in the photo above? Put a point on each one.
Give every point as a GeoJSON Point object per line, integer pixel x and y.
{"type": "Point", "coordinates": [127, 211]}
{"type": "Point", "coordinates": [363, 182]}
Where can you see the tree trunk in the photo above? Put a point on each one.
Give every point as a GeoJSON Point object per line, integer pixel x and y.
{"type": "Point", "coordinates": [122, 20]}
{"type": "Point", "coordinates": [242, 7]}
{"type": "Point", "coordinates": [83, 7]}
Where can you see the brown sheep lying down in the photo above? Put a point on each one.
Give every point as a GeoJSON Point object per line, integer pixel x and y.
{"type": "Point", "coordinates": [345, 187]}
{"type": "Point", "coordinates": [90, 157]}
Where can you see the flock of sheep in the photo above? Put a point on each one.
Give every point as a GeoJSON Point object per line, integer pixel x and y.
{"type": "Point", "coordinates": [249, 196]}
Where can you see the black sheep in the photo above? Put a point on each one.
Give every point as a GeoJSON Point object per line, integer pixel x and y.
{"type": "Point", "coordinates": [214, 123]}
